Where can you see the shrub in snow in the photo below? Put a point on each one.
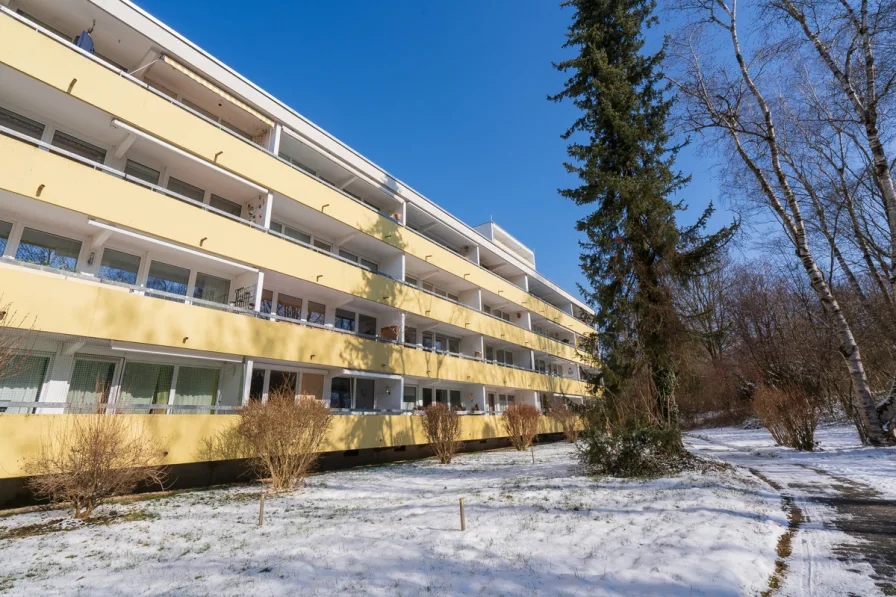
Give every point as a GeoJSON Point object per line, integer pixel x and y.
{"type": "Point", "coordinates": [632, 452]}
{"type": "Point", "coordinates": [790, 414]}
{"type": "Point", "coordinates": [441, 425]}
{"type": "Point", "coordinates": [521, 424]}
{"type": "Point", "coordinates": [92, 456]}
{"type": "Point", "coordinates": [284, 435]}
{"type": "Point", "coordinates": [569, 421]}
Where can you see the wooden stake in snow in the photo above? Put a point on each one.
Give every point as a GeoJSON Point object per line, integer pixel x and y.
{"type": "Point", "coordinates": [261, 509]}
{"type": "Point", "coordinates": [463, 521]}
{"type": "Point", "coordinates": [533, 454]}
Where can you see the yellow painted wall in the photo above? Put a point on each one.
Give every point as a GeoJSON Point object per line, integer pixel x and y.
{"type": "Point", "coordinates": [71, 185]}
{"type": "Point", "coordinates": [73, 306]}
{"type": "Point", "coordinates": [182, 435]}
{"type": "Point", "coordinates": [36, 55]}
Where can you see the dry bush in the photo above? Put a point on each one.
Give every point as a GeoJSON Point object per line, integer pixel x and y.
{"type": "Point", "coordinates": [227, 444]}
{"type": "Point", "coordinates": [569, 421]}
{"type": "Point", "coordinates": [521, 424]}
{"type": "Point", "coordinates": [441, 425]}
{"type": "Point", "coordinates": [791, 415]}
{"type": "Point", "coordinates": [89, 458]}
{"type": "Point", "coordinates": [284, 435]}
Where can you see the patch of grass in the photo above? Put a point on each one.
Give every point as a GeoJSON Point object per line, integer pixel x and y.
{"type": "Point", "coordinates": [785, 542]}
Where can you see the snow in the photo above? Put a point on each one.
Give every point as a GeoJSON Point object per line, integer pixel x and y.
{"type": "Point", "coordinates": [815, 480]}
{"type": "Point", "coordinates": [839, 452]}
{"type": "Point", "coordinates": [532, 529]}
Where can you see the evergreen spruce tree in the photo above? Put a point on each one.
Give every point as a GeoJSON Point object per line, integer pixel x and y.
{"type": "Point", "coordinates": [621, 151]}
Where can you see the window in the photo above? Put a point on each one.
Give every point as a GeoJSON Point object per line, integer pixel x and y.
{"type": "Point", "coordinates": [341, 392]}
{"type": "Point", "coordinates": [410, 280]}
{"type": "Point", "coordinates": [211, 288]}
{"type": "Point", "coordinates": [119, 267]}
{"type": "Point", "coordinates": [369, 265]}
{"type": "Point", "coordinates": [289, 306]}
{"type": "Point", "coordinates": [225, 205]}
{"type": "Point", "coordinates": [364, 394]}
{"type": "Point", "coordinates": [427, 396]}
{"type": "Point", "coordinates": [256, 384]}
{"type": "Point", "coordinates": [24, 382]}
{"type": "Point", "coordinates": [366, 325]}
{"type": "Point", "coordinates": [427, 341]}
{"type": "Point", "coordinates": [146, 383]}
{"type": "Point", "coordinates": [141, 172]}
{"type": "Point", "coordinates": [453, 346]}
{"type": "Point", "coordinates": [486, 309]}
{"type": "Point", "coordinates": [290, 232]}
{"type": "Point", "coordinates": [298, 164]}
{"type": "Point", "coordinates": [346, 255]}
{"type": "Point", "coordinates": [442, 396]}
{"type": "Point", "coordinates": [427, 286]}
{"type": "Point", "coordinates": [185, 189]}
{"type": "Point", "coordinates": [345, 320]}
{"type": "Point", "coordinates": [453, 297]}
{"type": "Point", "coordinates": [454, 396]}
{"type": "Point", "coordinates": [410, 335]}
{"type": "Point", "coordinates": [316, 313]}
{"type": "Point", "coordinates": [410, 397]}
{"type": "Point", "coordinates": [5, 230]}
{"type": "Point", "coordinates": [196, 386]}
{"type": "Point", "coordinates": [20, 124]}
{"type": "Point", "coordinates": [441, 343]}
{"type": "Point", "coordinates": [78, 147]}
{"type": "Point", "coordinates": [441, 292]}
{"type": "Point", "coordinates": [489, 353]}
{"type": "Point", "coordinates": [282, 382]}
{"type": "Point", "coordinates": [313, 385]}
{"type": "Point", "coordinates": [267, 301]}
{"type": "Point", "coordinates": [322, 245]}
{"type": "Point", "coordinates": [48, 249]}
{"type": "Point", "coordinates": [168, 278]}
{"type": "Point", "coordinates": [91, 382]}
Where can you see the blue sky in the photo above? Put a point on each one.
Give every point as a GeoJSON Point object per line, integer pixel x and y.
{"type": "Point", "coordinates": [448, 97]}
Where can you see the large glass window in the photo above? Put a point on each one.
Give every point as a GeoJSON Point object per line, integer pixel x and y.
{"type": "Point", "coordinates": [185, 189]}
{"type": "Point", "coordinates": [345, 320]}
{"type": "Point", "coordinates": [146, 383]}
{"type": "Point", "coordinates": [369, 265]}
{"type": "Point", "coordinates": [48, 249]}
{"type": "Point", "coordinates": [427, 341]}
{"type": "Point", "coordinates": [454, 396]}
{"type": "Point", "coordinates": [24, 381]}
{"type": "Point", "coordinates": [364, 394]}
{"type": "Point", "coordinates": [282, 383]}
{"type": "Point", "coordinates": [316, 313]}
{"type": "Point", "coordinates": [119, 267]}
{"type": "Point", "coordinates": [453, 346]}
{"type": "Point", "coordinates": [78, 147]}
{"type": "Point", "coordinates": [313, 385]}
{"type": "Point", "coordinates": [141, 172]}
{"type": "Point", "coordinates": [91, 382]}
{"type": "Point", "coordinates": [211, 288]}
{"type": "Point", "coordinates": [5, 230]}
{"type": "Point", "coordinates": [346, 255]}
{"type": "Point", "coordinates": [197, 386]}
{"type": "Point", "coordinates": [427, 397]}
{"type": "Point", "coordinates": [322, 245]}
{"type": "Point", "coordinates": [168, 278]}
{"type": "Point", "coordinates": [289, 306]}
{"type": "Point", "coordinates": [20, 124]}
{"type": "Point", "coordinates": [442, 396]}
{"type": "Point", "coordinates": [410, 397]}
{"type": "Point", "coordinates": [341, 392]}
{"type": "Point", "coordinates": [410, 335]}
{"type": "Point", "coordinates": [225, 205]}
{"type": "Point", "coordinates": [256, 384]}
{"type": "Point", "coordinates": [366, 325]}
{"type": "Point", "coordinates": [267, 301]}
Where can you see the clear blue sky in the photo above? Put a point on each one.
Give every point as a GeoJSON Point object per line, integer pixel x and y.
{"type": "Point", "coordinates": [447, 96]}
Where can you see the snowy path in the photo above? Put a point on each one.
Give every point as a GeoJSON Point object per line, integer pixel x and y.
{"type": "Point", "coordinates": [532, 530]}
{"type": "Point", "coordinates": [847, 543]}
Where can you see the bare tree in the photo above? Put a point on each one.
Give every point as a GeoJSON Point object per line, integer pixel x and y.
{"type": "Point", "coordinates": [88, 458]}
{"type": "Point", "coordinates": [521, 424]}
{"type": "Point", "coordinates": [441, 425]}
{"type": "Point", "coordinates": [736, 99]}
{"type": "Point", "coordinates": [283, 435]}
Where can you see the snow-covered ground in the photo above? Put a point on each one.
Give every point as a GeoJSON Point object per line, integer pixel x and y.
{"type": "Point", "coordinates": [839, 453]}
{"type": "Point", "coordinates": [834, 486]}
{"type": "Point", "coordinates": [532, 529]}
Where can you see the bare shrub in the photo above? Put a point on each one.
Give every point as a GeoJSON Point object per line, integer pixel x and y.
{"type": "Point", "coordinates": [284, 435]}
{"type": "Point", "coordinates": [441, 425]}
{"type": "Point", "coordinates": [569, 420]}
{"type": "Point", "coordinates": [791, 415]}
{"type": "Point", "coordinates": [227, 444]}
{"type": "Point", "coordinates": [89, 458]}
{"type": "Point", "coordinates": [521, 424]}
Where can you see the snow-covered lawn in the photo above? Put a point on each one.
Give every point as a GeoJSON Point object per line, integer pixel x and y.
{"type": "Point", "coordinates": [532, 529]}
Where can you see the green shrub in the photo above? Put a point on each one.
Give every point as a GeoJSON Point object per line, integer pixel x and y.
{"type": "Point", "coordinates": [632, 451]}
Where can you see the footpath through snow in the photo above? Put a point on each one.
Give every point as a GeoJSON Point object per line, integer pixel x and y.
{"type": "Point", "coordinates": [846, 544]}
{"type": "Point", "coordinates": [532, 529]}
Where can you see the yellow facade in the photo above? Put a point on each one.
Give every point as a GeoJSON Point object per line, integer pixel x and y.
{"type": "Point", "coordinates": [45, 60]}
{"type": "Point", "coordinates": [69, 184]}
{"type": "Point", "coordinates": [183, 436]}
{"type": "Point", "coordinates": [101, 311]}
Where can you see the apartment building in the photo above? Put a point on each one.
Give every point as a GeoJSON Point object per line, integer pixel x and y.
{"type": "Point", "coordinates": [181, 242]}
